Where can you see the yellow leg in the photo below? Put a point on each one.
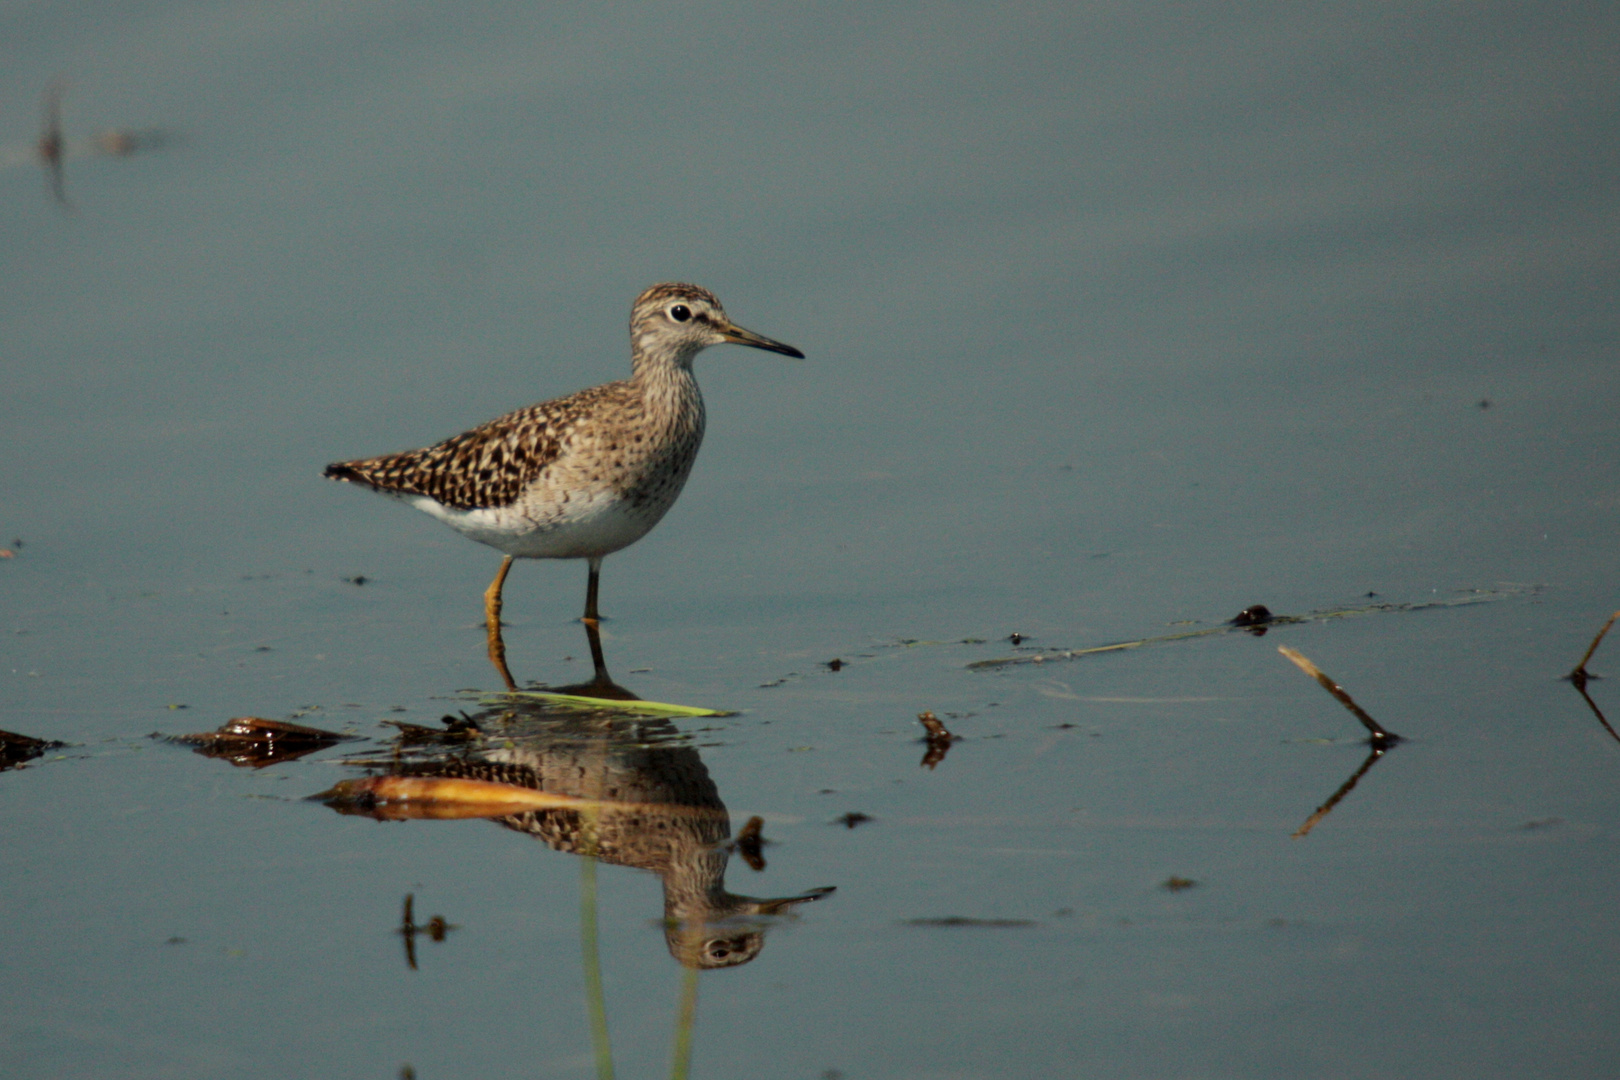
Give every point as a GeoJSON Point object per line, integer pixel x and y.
{"type": "Point", "coordinates": [492, 622]}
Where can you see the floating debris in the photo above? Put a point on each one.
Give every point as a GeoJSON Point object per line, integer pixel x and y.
{"type": "Point", "coordinates": [1472, 596]}
{"type": "Point", "coordinates": [256, 742]}
{"type": "Point", "coordinates": [52, 149]}
{"type": "Point", "coordinates": [1542, 823]}
{"type": "Point", "coordinates": [750, 843]}
{"type": "Point", "coordinates": [962, 920]}
{"type": "Point", "coordinates": [938, 739]}
{"type": "Point", "coordinates": [15, 749]}
{"type": "Point", "coordinates": [1177, 884]}
{"type": "Point", "coordinates": [852, 819]}
{"type": "Point", "coordinates": [457, 729]}
{"type": "Point", "coordinates": [1253, 619]}
{"type": "Point", "coordinates": [436, 928]}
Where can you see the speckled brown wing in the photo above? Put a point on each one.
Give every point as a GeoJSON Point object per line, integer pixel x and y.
{"type": "Point", "coordinates": [490, 465]}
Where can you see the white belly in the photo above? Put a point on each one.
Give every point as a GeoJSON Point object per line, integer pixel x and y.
{"type": "Point", "coordinates": [587, 526]}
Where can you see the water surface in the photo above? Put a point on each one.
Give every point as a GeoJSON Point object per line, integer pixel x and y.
{"type": "Point", "coordinates": [1119, 320]}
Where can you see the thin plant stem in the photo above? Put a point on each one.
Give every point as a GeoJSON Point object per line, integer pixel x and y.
{"type": "Point", "coordinates": [1580, 668]}
{"type": "Point", "coordinates": [1378, 733]}
{"type": "Point", "coordinates": [681, 1067]}
{"type": "Point", "coordinates": [595, 1003]}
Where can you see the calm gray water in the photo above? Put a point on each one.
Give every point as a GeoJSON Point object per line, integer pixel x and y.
{"type": "Point", "coordinates": [1119, 318]}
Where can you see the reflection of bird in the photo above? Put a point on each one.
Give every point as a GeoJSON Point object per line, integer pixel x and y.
{"type": "Point", "coordinates": [673, 822]}
{"type": "Point", "coordinates": [582, 476]}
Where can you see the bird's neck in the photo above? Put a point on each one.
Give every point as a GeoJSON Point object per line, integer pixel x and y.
{"type": "Point", "coordinates": [668, 390]}
{"type": "Point", "coordinates": [653, 355]}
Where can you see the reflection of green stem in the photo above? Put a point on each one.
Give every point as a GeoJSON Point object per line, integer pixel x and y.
{"type": "Point", "coordinates": [682, 1067]}
{"type": "Point", "coordinates": [574, 701]}
{"type": "Point", "coordinates": [594, 1002]}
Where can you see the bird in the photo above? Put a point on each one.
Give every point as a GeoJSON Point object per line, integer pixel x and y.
{"type": "Point", "coordinates": [580, 476]}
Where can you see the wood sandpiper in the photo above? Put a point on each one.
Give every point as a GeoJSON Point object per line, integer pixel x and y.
{"type": "Point", "coordinates": [582, 476]}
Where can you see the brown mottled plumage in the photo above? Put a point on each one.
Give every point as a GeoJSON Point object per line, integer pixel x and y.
{"type": "Point", "coordinates": [490, 465]}
{"type": "Point", "coordinates": [582, 476]}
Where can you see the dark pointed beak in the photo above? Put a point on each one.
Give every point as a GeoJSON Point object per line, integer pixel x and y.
{"type": "Point", "coordinates": [738, 336]}
{"type": "Point", "coordinates": [777, 907]}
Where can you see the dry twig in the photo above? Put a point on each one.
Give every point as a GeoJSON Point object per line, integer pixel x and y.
{"type": "Point", "coordinates": [1380, 736]}
{"type": "Point", "coordinates": [1578, 675]}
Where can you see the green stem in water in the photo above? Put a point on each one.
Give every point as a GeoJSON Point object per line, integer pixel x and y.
{"type": "Point", "coordinates": [595, 1003]}
{"type": "Point", "coordinates": [682, 1067]}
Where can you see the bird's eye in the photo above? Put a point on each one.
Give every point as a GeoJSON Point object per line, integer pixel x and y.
{"type": "Point", "coordinates": [680, 313]}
